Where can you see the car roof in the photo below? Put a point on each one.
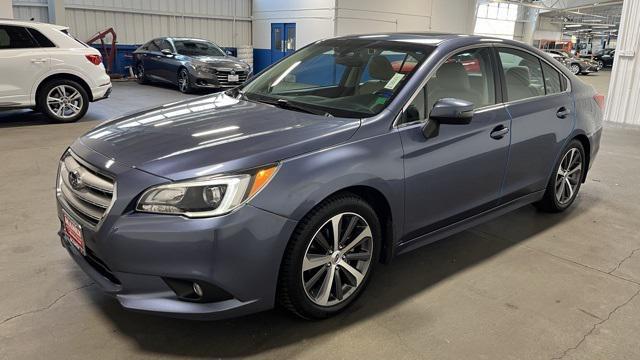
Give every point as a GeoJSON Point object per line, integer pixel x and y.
{"type": "Point", "coordinates": [428, 38]}
{"type": "Point", "coordinates": [34, 24]}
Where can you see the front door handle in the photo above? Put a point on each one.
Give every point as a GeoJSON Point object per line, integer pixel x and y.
{"type": "Point", "coordinates": [563, 112]}
{"type": "Point", "coordinates": [499, 132]}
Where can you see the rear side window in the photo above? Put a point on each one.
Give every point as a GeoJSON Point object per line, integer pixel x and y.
{"type": "Point", "coordinates": [165, 45]}
{"type": "Point", "coordinates": [42, 40]}
{"type": "Point", "coordinates": [552, 79]}
{"type": "Point", "coordinates": [15, 37]}
{"type": "Point", "coordinates": [522, 73]}
{"type": "Point", "coordinates": [153, 46]}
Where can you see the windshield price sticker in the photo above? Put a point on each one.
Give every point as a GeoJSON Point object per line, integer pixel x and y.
{"type": "Point", "coordinates": [394, 81]}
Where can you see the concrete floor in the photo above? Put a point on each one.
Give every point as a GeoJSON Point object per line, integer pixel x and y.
{"type": "Point", "coordinates": [525, 286]}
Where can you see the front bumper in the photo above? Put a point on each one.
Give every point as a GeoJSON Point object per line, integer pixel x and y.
{"type": "Point", "coordinates": [207, 80]}
{"type": "Point", "coordinates": [133, 256]}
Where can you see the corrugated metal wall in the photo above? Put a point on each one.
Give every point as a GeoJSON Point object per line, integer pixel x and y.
{"type": "Point", "coordinates": [623, 101]}
{"type": "Point", "coordinates": [136, 21]}
{"type": "Point", "coordinates": [31, 9]}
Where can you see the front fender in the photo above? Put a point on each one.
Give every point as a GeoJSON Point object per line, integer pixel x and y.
{"type": "Point", "coordinates": [304, 181]}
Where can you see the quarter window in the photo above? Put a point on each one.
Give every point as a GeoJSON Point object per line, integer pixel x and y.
{"type": "Point", "coordinates": [552, 79]}
{"type": "Point", "coordinates": [42, 40]}
{"type": "Point", "coordinates": [15, 37]}
{"type": "Point", "coordinates": [523, 74]}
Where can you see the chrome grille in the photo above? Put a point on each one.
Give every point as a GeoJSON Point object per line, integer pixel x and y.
{"type": "Point", "coordinates": [223, 76]}
{"type": "Point", "coordinates": [84, 190]}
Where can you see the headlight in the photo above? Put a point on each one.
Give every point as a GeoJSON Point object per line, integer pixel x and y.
{"type": "Point", "coordinates": [204, 197]}
{"type": "Point", "coordinates": [203, 68]}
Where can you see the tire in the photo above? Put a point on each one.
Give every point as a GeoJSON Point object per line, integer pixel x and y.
{"type": "Point", "coordinates": [565, 176]}
{"type": "Point", "coordinates": [301, 292]}
{"type": "Point", "coordinates": [71, 104]}
{"type": "Point", "coordinates": [600, 65]}
{"type": "Point", "coordinates": [141, 76]}
{"type": "Point", "coordinates": [575, 69]}
{"type": "Point", "coordinates": [184, 81]}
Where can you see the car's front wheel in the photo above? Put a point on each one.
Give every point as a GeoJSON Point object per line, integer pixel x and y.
{"type": "Point", "coordinates": [566, 179]}
{"type": "Point", "coordinates": [184, 81]}
{"type": "Point", "coordinates": [63, 100]}
{"type": "Point", "coordinates": [575, 69]}
{"type": "Point", "coordinates": [330, 257]}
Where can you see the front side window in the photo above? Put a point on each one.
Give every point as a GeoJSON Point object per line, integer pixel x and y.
{"type": "Point", "coordinates": [15, 37]}
{"type": "Point", "coordinates": [197, 48]}
{"type": "Point", "coordinates": [522, 73]}
{"type": "Point", "coordinates": [467, 75]}
{"type": "Point", "coordinates": [350, 78]}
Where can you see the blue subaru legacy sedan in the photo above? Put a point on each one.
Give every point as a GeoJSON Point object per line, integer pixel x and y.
{"type": "Point", "coordinates": [292, 188]}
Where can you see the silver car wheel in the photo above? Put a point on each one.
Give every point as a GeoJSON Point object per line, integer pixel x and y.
{"type": "Point", "coordinates": [600, 65]}
{"type": "Point", "coordinates": [183, 81]}
{"type": "Point", "coordinates": [575, 69]}
{"type": "Point", "coordinates": [337, 259]}
{"type": "Point", "coordinates": [568, 176]}
{"type": "Point", "coordinates": [64, 101]}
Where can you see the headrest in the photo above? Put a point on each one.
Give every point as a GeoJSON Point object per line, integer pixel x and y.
{"type": "Point", "coordinates": [518, 74]}
{"type": "Point", "coordinates": [380, 68]}
{"type": "Point", "coordinates": [453, 76]}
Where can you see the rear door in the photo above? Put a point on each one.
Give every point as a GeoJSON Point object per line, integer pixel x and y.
{"type": "Point", "coordinates": [541, 106]}
{"type": "Point", "coordinates": [23, 61]}
{"type": "Point", "coordinates": [152, 58]}
{"type": "Point", "coordinates": [458, 172]}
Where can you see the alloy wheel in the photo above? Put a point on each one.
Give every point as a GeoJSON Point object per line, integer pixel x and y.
{"type": "Point", "coordinates": [600, 65]}
{"type": "Point", "coordinates": [575, 69]}
{"type": "Point", "coordinates": [568, 176]}
{"type": "Point", "coordinates": [183, 81]}
{"type": "Point", "coordinates": [140, 71]}
{"type": "Point", "coordinates": [64, 101]}
{"type": "Point", "coordinates": [337, 259]}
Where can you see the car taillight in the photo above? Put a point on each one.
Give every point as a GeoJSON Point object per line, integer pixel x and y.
{"type": "Point", "coordinates": [94, 59]}
{"type": "Point", "coordinates": [599, 99]}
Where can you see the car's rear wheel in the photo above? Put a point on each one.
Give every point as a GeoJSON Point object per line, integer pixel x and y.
{"type": "Point", "coordinates": [184, 82]}
{"type": "Point", "coordinates": [63, 100]}
{"type": "Point", "coordinates": [600, 65]}
{"type": "Point", "coordinates": [575, 69]}
{"type": "Point", "coordinates": [330, 257]}
{"type": "Point", "coordinates": [141, 75]}
{"type": "Point", "coordinates": [566, 179]}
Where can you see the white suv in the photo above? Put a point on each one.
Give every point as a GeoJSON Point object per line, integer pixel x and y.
{"type": "Point", "coordinates": [44, 68]}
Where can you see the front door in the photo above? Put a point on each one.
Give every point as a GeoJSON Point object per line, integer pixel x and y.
{"type": "Point", "coordinates": [283, 40]}
{"type": "Point", "coordinates": [458, 172]}
{"type": "Point", "coordinates": [543, 116]}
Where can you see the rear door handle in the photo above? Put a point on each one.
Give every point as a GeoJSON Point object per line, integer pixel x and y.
{"type": "Point", "coordinates": [499, 132]}
{"type": "Point", "coordinates": [563, 112]}
{"type": "Point", "coordinates": [39, 61]}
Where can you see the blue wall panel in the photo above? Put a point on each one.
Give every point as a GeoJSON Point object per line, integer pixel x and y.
{"type": "Point", "coordinates": [261, 59]}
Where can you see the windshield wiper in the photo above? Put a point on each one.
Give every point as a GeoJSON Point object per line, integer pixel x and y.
{"type": "Point", "coordinates": [286, 104]}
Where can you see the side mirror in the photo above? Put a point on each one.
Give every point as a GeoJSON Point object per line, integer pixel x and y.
{"type": "Point", "coordinates": [452, 111]}
{"type": "Point", "coordinates": [166, 52]}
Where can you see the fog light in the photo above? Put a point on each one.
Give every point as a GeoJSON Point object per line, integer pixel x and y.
{"type": "Point", "coordinates": [197, 289]}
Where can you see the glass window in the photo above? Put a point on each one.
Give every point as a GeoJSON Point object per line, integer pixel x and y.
{"type": "Point", "coordinates": [166, 45]}
{"type": "Point", "coordinates": [197, 48]}
{"type": "Point", "coordinates": [302, 78]}
{"type": "Point", "coordinates": [552, 80]}
{"type": "Point", "coordinates": [417, 110]}
{"type": "Point", "coordinates": [468, 75]}
{"type": "Point", "coordinates": [523, 74]}
{"type": "Point", "coordinates": [42, 40]}
{"type": "Point", "coordinates": [153, 46]}
{"type": "Point", "coordinates": [277, 38]}
{"type": "Point", "coordinates": [15, 37]}
{"type": "Point", "coordinates": [291, 39]}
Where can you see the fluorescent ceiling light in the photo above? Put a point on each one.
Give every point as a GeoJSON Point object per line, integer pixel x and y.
{"type": "Point", "coordinates": [572, 25]}
{"type": "Point", "coordinates": [592, 20]}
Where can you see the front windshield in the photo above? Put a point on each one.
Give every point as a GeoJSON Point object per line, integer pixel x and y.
{"type": "Point", "coordinates": [197, 48]}
{"type": "Point", "coordinates": [341, 77]}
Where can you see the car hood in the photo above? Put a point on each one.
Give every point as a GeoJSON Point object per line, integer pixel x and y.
{"type": "Point", "coordinates": [222, 61]}
{"type": "Point", "coordinates": [213, 134]}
